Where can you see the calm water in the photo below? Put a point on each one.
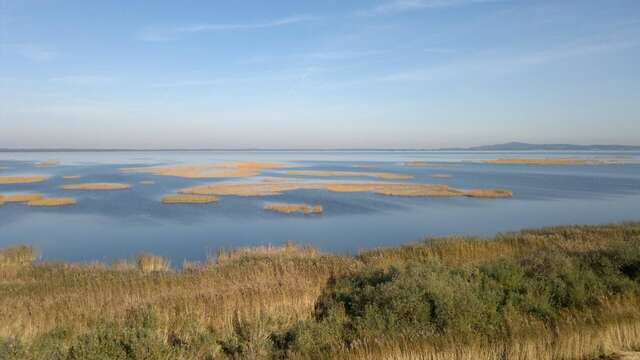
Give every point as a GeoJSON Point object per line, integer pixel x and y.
{"type": "Point", "coordinates": [108, 225]}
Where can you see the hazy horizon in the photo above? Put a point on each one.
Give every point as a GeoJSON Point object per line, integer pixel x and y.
{"type": "Point", "coordinates": [333, 74]}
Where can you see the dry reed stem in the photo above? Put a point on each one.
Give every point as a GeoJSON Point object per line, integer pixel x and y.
{"type": "Point", "coordinates": [548, 161]}
{"type": "Point", "coordinates": [377, 175]}
{"type": "Point", "coordinates": [189, 199]}
{"type": "Point", "coordinates": [8, 180]}
{"type": "Point", "coordinates": [220, 170]}
{"type": "Point", "coordinates": [286, 208]}
{"type": "Point", "coordinates": [96, 186]}
{"type": "Point", "coordinates": [50, 202]}
{"type": "Point", "coordinates": [271, 189]}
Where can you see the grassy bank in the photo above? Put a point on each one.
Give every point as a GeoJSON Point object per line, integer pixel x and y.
{"type": "Point", "coordinates": [556, 293]}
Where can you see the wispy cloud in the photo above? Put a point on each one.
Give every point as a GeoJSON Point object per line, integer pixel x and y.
{"type": "Point", "coordinates": [31, 52]}
{"type": "Point", "coordinates": [400, 6]}
{"type": "Point", "coordinates": [155, 33]}
{"type": "Point", "coordinates": [83, 80]}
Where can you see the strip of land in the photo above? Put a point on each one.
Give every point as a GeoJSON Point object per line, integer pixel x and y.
{"type": "Point", "coordinates": [189, 199]}
{"type": "Point", "coordinates": [52, 202]}
{"type": "Point", "coordinates": [96, 186]}
{"type": "Point", "coordinates": [377, 175]}
{"type": "Point", "coordinates": [20, 198]}
{"type": "Point", "coordinates": [219, 170]}
{"type": "Point", "coordinates": [48, 163]}
{"type": "Point", "coordinates": [389, 189]}
{"type": "Point", "coordinates": [548, 162]}
{"type": "Point", "coordinates": [69, 177]}
{"type": "Point", "coordinates": [287, 208]}
{"type": "Point", "coordinates": [553, 293]}
{"type": "Point", "coordinates": [9, 180]}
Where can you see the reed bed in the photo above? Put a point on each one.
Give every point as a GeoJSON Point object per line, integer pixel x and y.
{"type": "Point", "coordinates": [20, 198]}
{"type": "Point", "coordinates": [52, 202]}
{"type": "Point", "coordinates": [287, 208]}
{"type": "Point", "coordinates": [219, 170]}
{"type": "Point", "coordinates": [377, 175]}
{"type": "Point", "coordinates": [548, 162]}
{"type": "Point", "coordinates": [389, 189]}
{"type": "Point", "coordinates": [189, 199]}
{"type": "Point", "coordinates": [554, 293]}
{"type": "Point", "coordinates": [70, 177]}
{"type": "Point", "coordinates": [96, 186]}
{"type": "Point", "coordinates": [10, 180]}
{"type": "Point", "coordinates": [47, 164]}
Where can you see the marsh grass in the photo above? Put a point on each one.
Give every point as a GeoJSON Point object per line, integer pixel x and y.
{"type": "Point", "coordinates": [52, 202]}
{"type": "Point", "coordinates": [442, 176]}
{"type": "Point", "coordinates": [19, 255]}
{"type": "Point", "coordinates": [150, 263]}
{"type": "Point", "coordinates": [47, 164]}
{"type": "Point", "coordinates": [555, 293]}
{"type": "Point", "coordinates": [9, 180]}
{"type": "Point", "coordinates": [20, 198]}
{"type": "Point", "coordinates": [219, 170]}
{"type": "Point", "coordinates": [377, 175]}
{"type": "Point", "coordinates": [96, 186]}
{"type": "Point", "coordinates": [189, 199]}
{"type": "Point", "coordinates": [286, 208]}
{"type": "Point", "coordinates": [70, 177]}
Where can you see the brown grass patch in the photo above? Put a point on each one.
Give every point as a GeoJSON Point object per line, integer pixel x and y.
{"type": "Point", "coordinates": [8, 180]}
{"type": "Point", "coordinates": [96, 186]}
{"type": "Point", "coordinates": [548, 161]}
{"type": "Point", "coordinates": [271, 189]}
{"type": "Point", "coordinates": [18, 255]}
{"type": "Point", "coordinates": [71, 177]}
{"type": "Point", "coordinates": [151, 263]}
{"type": "Point", "coordinates": [285, 208]}
{"type": "Point", "coordinates": [189, 199]}
{"type": "Point", "coordinates": [47, 163]}
{"type": "Point", "coordinates": [221, 170]}
{"type": "Point", "coordinates": [51, 202]}
{"type": "Point", "coordinates": [20, 198]}
{"type": "Point", "coordinates": [377, 175]}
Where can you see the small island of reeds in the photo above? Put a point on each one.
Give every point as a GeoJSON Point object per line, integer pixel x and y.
{"type": "Point", "coordinates": [377, 175]}
{"type": "Point", "coordinates": [52, 202]}
{"type": "Point", "coordinates": [287, 208]}
{"type": "Point", "coordinates": [189, 199]}
{"type": "Point", "coordinates": [555, 293]}
{"type": "Point", "coordinates": [10, 180]}
{"type": "Point", "coordinates": [96, 186]}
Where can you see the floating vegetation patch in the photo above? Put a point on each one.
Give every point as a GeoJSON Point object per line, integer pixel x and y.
{"type": "Point", "coordinates": [221, 170]}
{"type": "Point", "coordinates": [96, 186]}
{"type": "Point", "coordinates": [46, 164]}
{"type": "Point", "coordinates": [409, 190]}
{"type": "Point", "coordinates": [286, 208]}
{"type": "Point", "coordinates": [8, 180]}
{"type": "Point", "coordinates": [68, 177]}
{"type": "Point", "coordinates": [20, 198]}
{"type": "Point", "coordinates": [52, 202]}
{"type": "Point", "coordinates": [377, 175]}
{"type": "Point", "coordinates": [189, 199]}
{"type": "Point", "coordinates": [549, 161]}
{"type": "Point", "coordinates": [441, 176]}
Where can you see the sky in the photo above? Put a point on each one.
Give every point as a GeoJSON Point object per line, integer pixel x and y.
{"type": "Point", "coordinates": [318, 74]}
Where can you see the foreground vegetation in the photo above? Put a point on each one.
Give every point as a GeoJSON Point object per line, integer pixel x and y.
{"type": "Point", "coordinates": [556, 293]}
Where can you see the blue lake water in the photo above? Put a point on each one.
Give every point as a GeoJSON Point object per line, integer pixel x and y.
{"type": "Point", "coordinates": [109, 225]}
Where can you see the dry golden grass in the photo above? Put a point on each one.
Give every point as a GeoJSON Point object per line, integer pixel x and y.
{"type": "Point", "coordinates": [548, 161]}
{"type": "Point", "coordinates": [220, 170]}
{"type": "Point", "coordinates": [47, 163]}
{"type": "Point", "coordinates": [441, 176]}
{"type": "Point", "coordinates": [189, 199]}
{"type": "Point", "coordinates": [19, 255]}
{"type": "Point", "coordinates": [8, 180]}
{"type": "Point", "coordinates": [151, 263]}
{"type": "Point", "coordinates": [51, 202]}
{"type": "Point", "coordinates": [271, 189]}
{"type": "Point", "coordinates": [377, 175]}
{"type": "Point", "coordinates": [286, 208]}
{"type": "Point", "coordinates": [96, 186]}
{"type": "Point", "coordinates": [20, 198]}
{"type": "Point", "coordinates": [71, 177]}
{"type": "Point", "coordinates": [282, 282]}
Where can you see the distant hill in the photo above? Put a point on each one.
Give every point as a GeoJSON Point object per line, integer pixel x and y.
{"type": "Point", "coordinates": [519, 146]}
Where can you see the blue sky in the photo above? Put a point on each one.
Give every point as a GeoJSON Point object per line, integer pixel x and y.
{"type": "Point", "coordinates": [310, 74]}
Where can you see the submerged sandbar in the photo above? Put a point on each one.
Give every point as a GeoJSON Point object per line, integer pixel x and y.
{"type": "Point", "coordinates": [8, 180]}
{"type": "Point", "coordinates": [377, 175]}
{"type": "Point", "coordinates": [96, 186]}
{"type": "Point", "coordinates": [286, 208]}
{"type": "Point", "coordinates": [220, 170]}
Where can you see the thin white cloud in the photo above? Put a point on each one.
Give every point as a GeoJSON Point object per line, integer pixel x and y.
{"type": "Point", "coordinates": [155, 33]}
{"type": "Point", "coordinates": [31, 52]}
{"type": "Point", "coordinates": [401, 6]}
{"type": "Point", "coordinates": [83, 80]}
